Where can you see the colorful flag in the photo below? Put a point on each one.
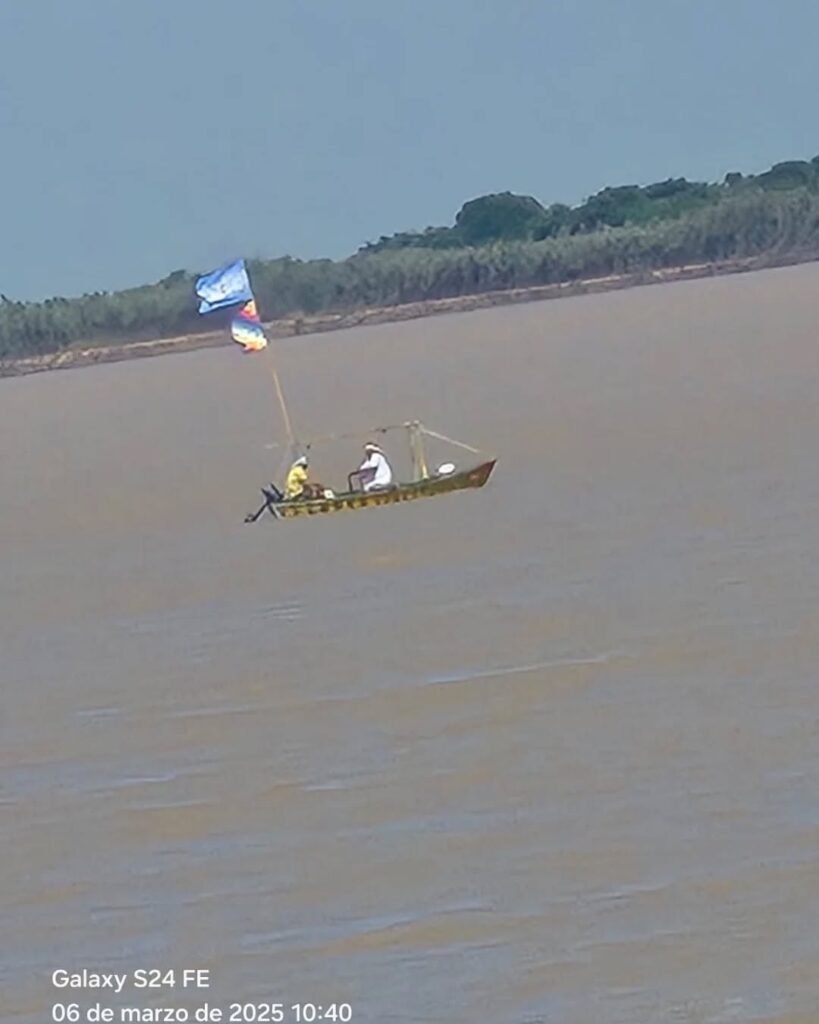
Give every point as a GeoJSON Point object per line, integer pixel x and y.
{"type": "Point", "coordinates": [227, 286]}
{"type": "Point", "coordinates": [246, 328]}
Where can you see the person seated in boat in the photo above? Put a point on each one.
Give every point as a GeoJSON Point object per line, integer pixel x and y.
{"type": "Point", "coordinates": [295, 487]}
{"type": "Point", "coordinates": [375, 472]}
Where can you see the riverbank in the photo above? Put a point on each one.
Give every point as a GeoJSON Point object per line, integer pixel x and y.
{"type": "Point", "coordinates": [78, 356]}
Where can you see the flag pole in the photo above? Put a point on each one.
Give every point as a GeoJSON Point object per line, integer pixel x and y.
{"type": "Point", "coordinates": [288, 426]}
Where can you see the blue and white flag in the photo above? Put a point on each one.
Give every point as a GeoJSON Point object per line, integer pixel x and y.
{"type": "Point", "coordinates": [227, 286]}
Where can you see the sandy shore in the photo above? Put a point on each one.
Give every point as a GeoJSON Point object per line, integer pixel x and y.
{"type": "Point", "coordinates": [78, 355]}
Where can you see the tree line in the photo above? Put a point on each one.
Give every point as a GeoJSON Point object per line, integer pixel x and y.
{"type": "Point", "coordinates": [503, 241]}
{"type": "Point", "coordinates": [507, 217]}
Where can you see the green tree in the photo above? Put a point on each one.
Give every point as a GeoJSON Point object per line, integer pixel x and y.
{"type": "Point", "coordinates": [499, 216]}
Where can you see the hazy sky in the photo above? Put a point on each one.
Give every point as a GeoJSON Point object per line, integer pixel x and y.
{"type": "Point", "coordinates": [142, 136]}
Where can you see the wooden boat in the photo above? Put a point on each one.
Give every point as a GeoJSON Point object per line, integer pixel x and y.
{"type": "Point", "coordinates": [280, 508]}
{"type": "Point", "coordinates": [425, 484]}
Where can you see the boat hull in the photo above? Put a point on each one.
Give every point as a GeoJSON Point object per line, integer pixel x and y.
{"type": "Point", "coordinates": [474, 477]}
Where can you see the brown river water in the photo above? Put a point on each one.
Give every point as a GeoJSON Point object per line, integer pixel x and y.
{"type": "Point", "coordinates": [543, 752]}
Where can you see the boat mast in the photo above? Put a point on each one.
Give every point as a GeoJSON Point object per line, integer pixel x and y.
{"type": "Point", "coordinates": [419, 462]}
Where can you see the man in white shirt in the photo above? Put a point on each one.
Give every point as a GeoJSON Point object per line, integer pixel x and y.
{"type": "Point", "coordinates": [374, 472]}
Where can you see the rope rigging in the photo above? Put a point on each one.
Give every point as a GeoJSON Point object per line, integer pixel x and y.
{"type": "Point", "coordinates": [354, 435]}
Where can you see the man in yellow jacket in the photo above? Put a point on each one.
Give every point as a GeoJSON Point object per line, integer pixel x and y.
{"type": "Point", "coordinates": [296, 479]}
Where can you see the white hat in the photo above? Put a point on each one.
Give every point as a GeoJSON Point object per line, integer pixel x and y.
{"type": "Point", "coordinates": [371, 446]}
{"type": "Point", "coordinates": [301, 461]}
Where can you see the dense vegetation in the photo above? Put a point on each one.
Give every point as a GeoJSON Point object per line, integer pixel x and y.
{"type": "Point", "coordinates": [506, 217]}
{"type": "Point", "coordinates": [497, 242]}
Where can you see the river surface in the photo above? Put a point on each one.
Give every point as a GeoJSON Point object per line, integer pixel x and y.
{"type": "Point", "coordinates": [546, 752]}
